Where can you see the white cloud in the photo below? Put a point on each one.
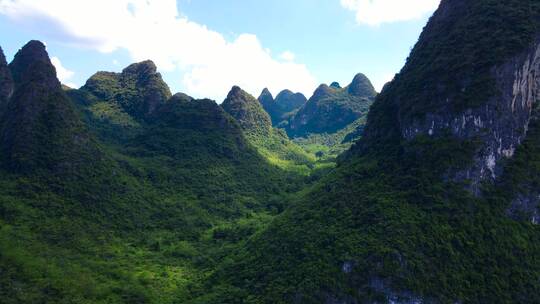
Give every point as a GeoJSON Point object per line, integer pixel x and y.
{"type": "Point", "coordinates": [380, 80]}
{"type": "Point", "coordinates": [63, 74]}
{"type": "Point", "coordinates": [154, 29]}
{"type": "Point", "coordinates": [287, 56]}
{"type": "Point", "coordinates": [377, 12]}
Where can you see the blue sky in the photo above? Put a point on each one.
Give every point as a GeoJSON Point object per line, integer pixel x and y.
{"type": "Point", "coordinates": [203, 47]}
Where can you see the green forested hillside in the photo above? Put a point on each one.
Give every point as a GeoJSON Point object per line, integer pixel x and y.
{"type": "Point", "coordinates": [270, 142]}
{"type": "Point", "coordinates": [390, 224]}
{"type": "Point", "coordinates": [332, 108]}
{"type": "Point", "coordinates": [121, 192]}
{"type": "Point", "coordinates": [111, 196]}
{"type": "Point", "coordinates": [283, 107]}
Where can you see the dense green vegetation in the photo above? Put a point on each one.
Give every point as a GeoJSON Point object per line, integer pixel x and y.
{"type": "Point", "coordinates": [388, 223]}
{"type": "Point", "coordinates": [283, 107]}
{"type": "Point", "coordinates": [327, 147]}
{"type": "Point", "coordinates": [332, 108]}
{"type": "Point", "coordinates": [270, 142]}
{"type": "Point", "coordinates": [487, 33]}
{"type": "Point", "coordinates": [124, 201]}
{"type": "Point", "coordinates": [121, 193]}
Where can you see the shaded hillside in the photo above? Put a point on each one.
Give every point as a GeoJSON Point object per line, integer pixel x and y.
{"type": "Point", "coordinates": [40, 131]}
{"type": "Point", "coordinates": [283, 106]}
{"type": "Point", "coordinates": [423, 209]}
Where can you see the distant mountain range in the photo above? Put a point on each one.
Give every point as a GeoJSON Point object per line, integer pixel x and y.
{"type": "Point", "coordinates": [329, 122]}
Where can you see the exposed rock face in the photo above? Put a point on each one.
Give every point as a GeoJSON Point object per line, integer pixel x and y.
{"type": "Point", "coordinates": [525, 207]}
{"type": "Point", "coordinates": [332, 108]}
{"type": "Point", "coordinates": [247, 111]}
{"type": "Point", "coordinates": [40, 129]}
{"type": "Point", "coordinates": [6, 80]}
{"type": "Point", "coordinates": [500, 124]}
{"type": "Point", "coordinates": [139, 89]}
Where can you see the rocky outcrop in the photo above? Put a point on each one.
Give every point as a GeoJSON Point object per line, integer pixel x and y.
{"type": "Point", "coordinates": [139, 89]}
{"type": "Point", "coordinates": [500, 124]}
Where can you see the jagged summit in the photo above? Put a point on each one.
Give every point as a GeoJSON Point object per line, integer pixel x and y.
{"type": "Point", "coordinates": [266, 92]}
{"type": "Point", "coordinates": [361, 86]}
{"type": "Point", "coordinates": [32, 63]}
{"type": "Point", "coordinates": [147, 67]}
{"type": "Point", "coordinates": [40, 130]}
{"type": "Point", "coordinates": [139, 89]}
{"type": "Point", "coordinates": [247, 111]}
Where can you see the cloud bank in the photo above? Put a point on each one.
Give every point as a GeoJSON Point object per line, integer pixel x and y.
{"type": "Point", "coordinates": [154, 29]}
{"type": "Point", "coordinates": [377, 12]}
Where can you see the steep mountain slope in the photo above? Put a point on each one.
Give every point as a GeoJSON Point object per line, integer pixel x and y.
{"type": "Point", "coordinates": [121, 194]}
{"type": "Point", "coordinates": [247, 111]}
{"type": "Point", "coordinates": [257, 126]}
{"type": "Point", "coordinates": [40, 130]}
{"type": "Point", "coordinates": [331, 109]}
{"type": "Point", "coordinates": [423, 209]}
{"type": "Point", "coordinates": [283, 106]}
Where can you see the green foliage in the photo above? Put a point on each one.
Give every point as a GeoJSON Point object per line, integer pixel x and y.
{"type": "Point", "coordinates": [178, 202]}
{"type": "Point", "coordinates": [397, 220]}
{"type": "Point", "coordinates": [455, 68]}
{"type": "Point", "coordinates": [283, 107]}
{"type": "Point", "coordinates": [327, 147]}
{"type": "Point", "coordinates": [272, 143]}
{"type": "Point", "coordinates": [138, 90]}
{"type": "Point", "coordinates": [332, 109]}
{"type": "Point", "coordinates": [135, 223]}
{"type": "Point", "coordinates": [391, 211]}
